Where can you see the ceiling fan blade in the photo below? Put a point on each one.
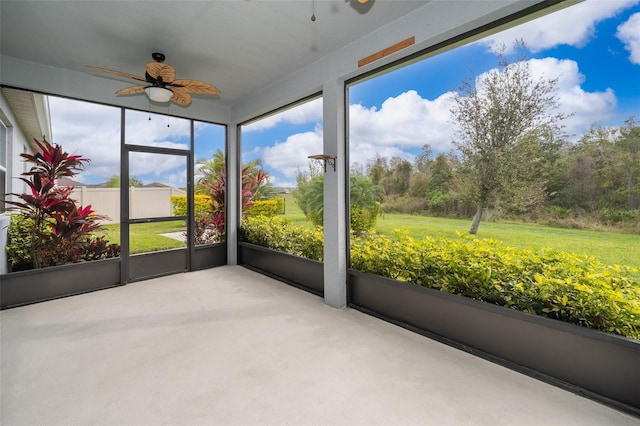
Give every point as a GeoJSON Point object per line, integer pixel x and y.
{"type": "Point", "coordinates": [133, 90]}
{"type": "Point", "coordinates": [181, 96]}
{"type": "Point", "coordinates": [159, 69]}
{"type": "Point", "coordinates": [196, 86]}
{"type": "Point", "coordinates": [118, 73]}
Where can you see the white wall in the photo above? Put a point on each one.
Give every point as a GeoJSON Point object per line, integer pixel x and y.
{"type": "Point", "coordinates": [143, 202]}
{"type": "Point", "coordinates": [16, 144]}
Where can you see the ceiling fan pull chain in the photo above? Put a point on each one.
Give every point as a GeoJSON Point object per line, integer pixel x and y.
{"type": "Point", "coordinates": [168, 106]}
{"type": "Point", "coordinates": [313, 10]}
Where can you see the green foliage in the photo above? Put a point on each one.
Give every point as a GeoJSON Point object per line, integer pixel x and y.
{"type": "Point", "coordinates": [267, 208]}
{"type": "Point", "coordinates": [114, 182]}
{"type": "Point", "coordinates": [276, 233]}
{"type": "Point", "coordinates": [438, 201]}
{"type": "Point", "coordinates": [567, 287]}
{"type": "Point", "coordinates": [309, 196]}
{"type": "Point", "coordinates": [19, 243]}
{"type": "Point", "coordinates": [59, 231]}
{"type": "Point", "coordinates": [54, 251]}
{"type": "Point", "coordinates": [501, 118]}
{"type": "Point", "coordinates": [365, 200]}
{"type": "Point", "coordinates": [210, 215]}
{"type": "Point", "coordinates": [619, 215]}
{"type": "Point", "coordinates": [201, 204]}
{"type": "Point", "coordinates": [573, 288]}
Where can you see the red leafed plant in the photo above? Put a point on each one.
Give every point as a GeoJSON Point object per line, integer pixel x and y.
{"type": "Point", "coordinates": [59, 231]}
{"type": "Point", "coordinates": [210, 226]}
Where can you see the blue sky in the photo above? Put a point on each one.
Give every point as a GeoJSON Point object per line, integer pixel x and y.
{"type": "Point", "coordinates": [593, 48]}
{"type": "Point", "coordinates": [596, 59]}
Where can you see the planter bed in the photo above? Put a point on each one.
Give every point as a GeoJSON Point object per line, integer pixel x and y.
{"type": "Point", "coordinates": [157, 264]}
{"type": "Point", "coordinates": [38, 285]}
{"type": "Point", "coordinates": [601, 366]}
{"type": "Point", "coordinates": [298, 271]}
{"type": "Point", "coordinates": [209, 256]}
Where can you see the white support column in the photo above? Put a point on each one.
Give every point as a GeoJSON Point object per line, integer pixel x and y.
{"type": "Point", "coordinates": [335, 228]}
{"type": "Point", "coordinates": [232, 191]}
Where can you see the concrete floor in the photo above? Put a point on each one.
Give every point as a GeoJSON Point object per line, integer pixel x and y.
{"type": "Point", "coordinates": [229, 346]}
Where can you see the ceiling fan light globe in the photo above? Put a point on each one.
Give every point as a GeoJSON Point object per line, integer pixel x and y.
{"type": "Point", "coordinates": [159, 94]}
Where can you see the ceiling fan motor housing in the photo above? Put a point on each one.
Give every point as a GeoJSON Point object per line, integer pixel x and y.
{"type": "Point", "coordinates": [158, 57]}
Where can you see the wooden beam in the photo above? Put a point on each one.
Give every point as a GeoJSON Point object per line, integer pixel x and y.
{"type": "Point", "coordinates": [387, 51]}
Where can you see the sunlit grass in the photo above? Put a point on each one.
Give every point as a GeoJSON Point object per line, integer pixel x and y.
{"type": "Point", "coordinates": [607, 247]}
{"type": "Point", "coordinates": [147, 237]}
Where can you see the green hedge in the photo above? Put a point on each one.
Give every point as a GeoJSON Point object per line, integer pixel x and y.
{"type": "Point", "coordinates": [571, 288]}
{"type": "Point", "coordinates": [202, 204]}
{"type": "Point", "coordinates": [276, 233]}
{"type": "Point", "coordinates": [269, 208]}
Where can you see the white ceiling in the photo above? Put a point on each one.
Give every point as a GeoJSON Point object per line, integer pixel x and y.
{"type": "Point", "coordinates": [239, 46]}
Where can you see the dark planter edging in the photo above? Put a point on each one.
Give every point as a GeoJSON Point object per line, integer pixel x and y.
{"type": "Point", "coordinates": [155, 264]}
{"type": "Point", "coordinates": [298, 271]}
{"type": "Point", "coordinates": [37, 285]}
{"type": "Point", "coordinates": [598, 365]}
{"type": "Point", "coordinates": [209, 256]}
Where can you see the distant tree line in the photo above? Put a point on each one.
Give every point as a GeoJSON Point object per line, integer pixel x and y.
{"type": "Point", "coordinates": [512, 158]}
{"type": "Point", "coordinates": [595, 180]}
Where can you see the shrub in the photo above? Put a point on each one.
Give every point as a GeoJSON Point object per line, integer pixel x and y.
{"type": "Point", "coordinates": [276, 233]}
{"type": "Point", "coordinates": [563, 286]}
{"type": "Point", "coordinates": [19, 243]}
{"type": "Point", "coordinates": [615, 216]}
{"type": "Point", "coordinates": [201, 204]}
{"type": "Point", "coordinates": [362, 220]}
{"type": "Point", "coordinates": [365, 200]}
{"type": "Point", "coordinates": [567, 287]}
{"type": "Point", "coordinates": [58, 230]}
{"type": "Point", "coordinates": [267, 208]}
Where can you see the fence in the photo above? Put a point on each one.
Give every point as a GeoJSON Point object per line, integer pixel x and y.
{"type": "Point", "coordinates": [143, 202]}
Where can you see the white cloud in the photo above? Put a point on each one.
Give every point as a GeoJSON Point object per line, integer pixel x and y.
{"type": "Point", "coordinates": [586, 107]}
{"type": "Point", "coordinates": [150, 167]}
{"type": "Point", "coordinates": [89, 130]}
{"type": "Point", "coordinates": [573, 26]}
{"type": "Point", "coordinates": [160, 131]}
{"type": "Point", "coordinates": [290, 156]}
{"type": "Point", "coordinates": [308, 112]}
{"type": "Point", "coordinates": [405, 121]}
{"type": "Point", "coordinates": [93, 131]}
{"type": "Point", "coordinates": [409, 121]}
{"type": "Point", "coordinates": [629, 34]}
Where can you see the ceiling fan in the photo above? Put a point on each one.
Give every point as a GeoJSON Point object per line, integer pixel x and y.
{"type": "Point", "coordinates": [161, 84]}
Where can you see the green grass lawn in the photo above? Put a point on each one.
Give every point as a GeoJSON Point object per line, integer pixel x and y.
{"type": "Point", "coordinates": [293, 213]}
{"type": "Point", "coordinates": [608, 247]}
{"type": "Point", "coordinates": [146, 237]}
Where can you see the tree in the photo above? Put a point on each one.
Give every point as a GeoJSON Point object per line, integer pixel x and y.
{"type": "Point", "coordinates": [396, 181]}
{"type": "Point", "coordinates": [114, 182]}
{"type": "Point", "coordinates": [628, 158]}
{"type": "Point", "coordinates": [493, 114]}
{"type": "Point", "coordinates": [365, 199]}
{"type": "Point", "coordinates": [56, 230]}
{"type": "Point", "coordinates": [210, 225]}
{"type": "Point", "coordinates": [208, 172]}
{"type": "Point", "coordinates": [377, 169]}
